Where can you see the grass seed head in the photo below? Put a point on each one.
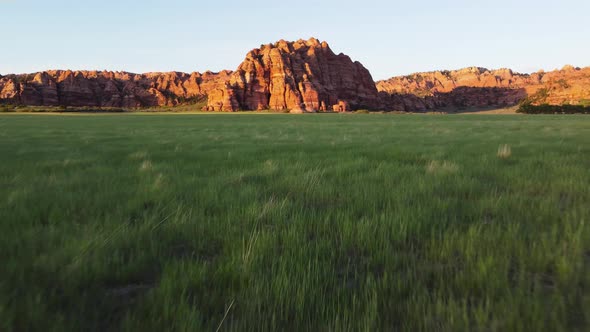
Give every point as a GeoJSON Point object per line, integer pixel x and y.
{"type": "Point", "coordinates": [441, 167]}
{"type": "Point", "coordinates": [504, 151]}
{"type": "Point", "coordinates": [145, 166]}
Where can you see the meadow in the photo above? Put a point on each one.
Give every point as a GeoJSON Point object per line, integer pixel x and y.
{"type": "Point", "coordinates": [321, 222]}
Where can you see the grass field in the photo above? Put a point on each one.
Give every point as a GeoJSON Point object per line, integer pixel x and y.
{"type": "Point", "coordinates": [304, 223]}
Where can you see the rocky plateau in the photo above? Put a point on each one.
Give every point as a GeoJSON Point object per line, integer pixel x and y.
{"type": "Point", "coordinates": [481, 87]}
{"type": "Point", "coordinates": [300, 76]}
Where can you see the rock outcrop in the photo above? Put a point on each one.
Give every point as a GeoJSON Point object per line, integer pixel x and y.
{"type": "Point", "coordinates": [301, 75]}
{"type": "Point", "coordinates": [107, 88]}
{"type": "Point", "coordinates": [480, 87]}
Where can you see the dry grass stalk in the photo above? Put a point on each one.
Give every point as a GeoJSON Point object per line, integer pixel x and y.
{"type": "Point", "coordinates": [504, 151]}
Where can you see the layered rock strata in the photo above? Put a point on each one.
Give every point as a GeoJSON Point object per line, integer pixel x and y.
{"type": "Point", "coordinates": [107, 88]}
{"type": "Point", "coordinates": [303, 75]}
{"type": "Point", "coordinates": [480, 87]}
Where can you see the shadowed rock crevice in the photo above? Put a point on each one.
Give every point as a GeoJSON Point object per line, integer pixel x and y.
{"type": "Point", "coordinates": [457, 99]}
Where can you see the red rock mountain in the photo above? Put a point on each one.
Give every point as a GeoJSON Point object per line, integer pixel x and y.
{"type": "Point", "coordinates": [482, 87]}
{"type": "Point", "coordinates": [297, 76]}
{"type": "Point", "coordinates": [106, 88]}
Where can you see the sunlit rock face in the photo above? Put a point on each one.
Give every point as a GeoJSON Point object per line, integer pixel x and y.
{"type": "Point", "coordinates": [303, 75]}
{"type": "Point", "coordinates": [480, 87]}
{"type": "Point", "coordinates": [300, 76]}
{"type": "Point", "coordinates": [107, 88]}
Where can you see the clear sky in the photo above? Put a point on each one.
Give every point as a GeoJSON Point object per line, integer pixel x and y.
{"type": "Point", "coordinates": [388, 37]}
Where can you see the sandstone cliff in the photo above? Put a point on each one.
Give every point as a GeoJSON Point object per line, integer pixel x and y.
{"type": "Point", "coordinates": [106, 88]}
{"type": "Point", "coordinates": [296, 76]}
{"type": "Point", "coordinates": [481, 87]}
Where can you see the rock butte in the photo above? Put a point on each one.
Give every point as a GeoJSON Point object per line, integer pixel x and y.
{"type": "Point", "coordinates": [300, 76]}
{"type": "Point", "coordinates": [297, 76]}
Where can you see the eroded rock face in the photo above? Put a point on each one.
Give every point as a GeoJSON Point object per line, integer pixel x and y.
{"type": "Point", "coordinates": [301, 75]}
{"type": "Point", "coordinates": [480, 87]}
{"type": "Point", "coordinates": [222, 98]}
{"type": "Point", "coordinates": [106, 88]}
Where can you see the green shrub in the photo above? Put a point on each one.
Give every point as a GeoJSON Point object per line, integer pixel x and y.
{"type": "Point", "coordinates": [538, 97]}
{"type": "Point", "coordinates": [563, 83]}
{"type": "Point", "coordinates": [528, 108]}
{"type": "Point", "coordinates": [362, 112]}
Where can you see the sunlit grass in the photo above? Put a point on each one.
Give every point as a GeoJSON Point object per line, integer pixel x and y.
{"type": "Point", "coordinates": [278, 222]}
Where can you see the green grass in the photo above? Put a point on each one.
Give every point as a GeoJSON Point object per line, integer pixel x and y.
{"type": "Point", "coordinates": [294, 222]}
{"type": "Point", "coordinates": [192, 107]}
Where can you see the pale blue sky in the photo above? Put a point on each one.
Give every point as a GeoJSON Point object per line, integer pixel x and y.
{"type": "Point", "coordinates": [388, 37]}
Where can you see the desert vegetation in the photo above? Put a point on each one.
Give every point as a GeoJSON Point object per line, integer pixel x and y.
{"type": "Point", "coordinates": [191, 105]}
{"type": "Point", "coordinates": [278, 222]}
{"type": "Point", "coordinates": [529, 108]}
